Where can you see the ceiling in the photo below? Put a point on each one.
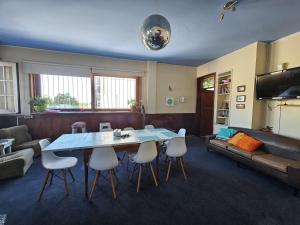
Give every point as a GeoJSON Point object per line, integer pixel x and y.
{"type": "Point", "coordinates": [112, 27]}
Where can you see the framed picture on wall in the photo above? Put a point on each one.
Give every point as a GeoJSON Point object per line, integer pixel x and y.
{"type": "Point", "coordinates": [241, 98]}
{"type": "Point", "coordinates": [240, 106]}
{"type": "Point", "coordinates": [241, 88]}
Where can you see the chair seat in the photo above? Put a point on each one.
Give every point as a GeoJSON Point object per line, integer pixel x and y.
{"type": "Point", "coordinates": [60, 163]}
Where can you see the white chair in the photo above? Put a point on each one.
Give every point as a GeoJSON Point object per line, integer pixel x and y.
{"type": "Point", "coordinates": [104, 159]}
{"type": "Point", "coordinates": [147, 152]}
{"type": "Point", "coordinates": [182, 132]}
{"type": "Point", "coordinates": [149, 127]}
{"type": "Point", "coordinates": [104, 127]}
{"type": "Point", "coordinates": [80, 125]}
{"type": "Point", "coordinates": [52, 162]}
{"type": "Point", "coordinates": [176, 148]}
{"type": "Point", "coordinates": [128, 128]}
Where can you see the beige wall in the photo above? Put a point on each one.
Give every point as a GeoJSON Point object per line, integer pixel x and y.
{"type": "Point", "coordinates": [285, 50]}
{"type": "Point", "coordinates": [149, 94]}
{"type": "Point", "coordinates": [242, 63]}
{"type": "Point", "coordinates": [182, 80]}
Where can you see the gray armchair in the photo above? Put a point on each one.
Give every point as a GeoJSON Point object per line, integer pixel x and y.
{"type": "Point", "coordinates": [23, 139]}
{"type": "Point", "coordinates": [15, 164]}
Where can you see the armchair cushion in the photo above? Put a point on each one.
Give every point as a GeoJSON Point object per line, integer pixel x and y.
{"type": "Point", "coordinates": [16, 163]}
{"type": "Point", "coordinates": [34, 144]}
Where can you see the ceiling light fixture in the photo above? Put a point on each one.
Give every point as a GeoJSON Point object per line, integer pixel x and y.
{"type": "Point", "coordinates": [229, 6]}
{"type": "Point", "coordinates": [156, 32]}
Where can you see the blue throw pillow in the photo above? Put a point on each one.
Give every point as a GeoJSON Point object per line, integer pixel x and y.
{"type": "Point", "coordinates": [226, 133]}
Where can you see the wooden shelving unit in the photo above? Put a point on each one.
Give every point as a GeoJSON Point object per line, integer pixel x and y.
{"type": "Point", "coordinates": [223, 98]}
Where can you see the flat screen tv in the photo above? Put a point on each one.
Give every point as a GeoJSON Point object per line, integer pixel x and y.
{"type": "Point", "coordinates": [283, 84]}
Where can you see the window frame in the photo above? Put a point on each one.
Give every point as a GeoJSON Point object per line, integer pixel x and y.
{"type": "Point", "coordinates": [16, 95]}
{"type": "Point", "coordinates": [34, 91]}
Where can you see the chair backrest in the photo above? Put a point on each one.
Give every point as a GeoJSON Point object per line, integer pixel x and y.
{"type": "Point", "coordinates": [47, 156]}
{"type": "Point", "coordinates": [79, 125]}
{"type": "Point", "coordinates": [147, 152]}
{"type": "Point", "coordinates": [128, 128]}
{"type": "Point", "coordinates": [103, 158]}
{"type": "Point", "coordinates": [105, 127]}
{"type": "Point", "coordinates": [149, 126]}
{"type": "Point", "coordinates": [182, 132]}
{"type": "Point", "coordinates": [176, 147]}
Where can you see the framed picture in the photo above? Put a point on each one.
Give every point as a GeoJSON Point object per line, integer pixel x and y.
{"type": "Point", "coordinates": [241, 88]}
{"type": "Point", "coordinates": [241, 98]}
{"type": "Point", "coordinates": [240, 106]}
{"type": "Point", "coordinates": [169, 101]}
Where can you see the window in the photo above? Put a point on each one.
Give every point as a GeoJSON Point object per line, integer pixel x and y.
{"type": "Point", "coordinates": [85, 93]}
{"type": "Point", "coordinates": [209, 83]}
{"type": "Point", "coordinates": [8, 88]}
{"type": "Point", "coordinates": [114, 92]}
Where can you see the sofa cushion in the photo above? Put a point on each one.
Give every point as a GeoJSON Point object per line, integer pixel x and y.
{"type": "Point", "coordinates": [276, 162]}
{"type": "Point", "coordinates": [219, 143]}
{"type": "Point", "coordinates": [236, 138]}
{"type": "Point", "coordinates": [19, 133]}
{"type": "Point", "coordinates": [225, 133]}
{"type": "Point", "coordinates": [30, 144]}
{"type": "Point", "coordinates": [241, 152]}
{"type": "Point", "coordinates": [249, 143]}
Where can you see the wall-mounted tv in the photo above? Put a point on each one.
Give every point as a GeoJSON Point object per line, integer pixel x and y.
{"type": "Point", "coordinates": [283, 84]}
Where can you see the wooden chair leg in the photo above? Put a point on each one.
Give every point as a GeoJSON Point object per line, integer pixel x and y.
{"type": "Point", "coordinates": [182, 167]}
{"type": "Point", "coordinates": [139, 179]}
{"type": "Point", "coordinates": [65, 181]}
{"type": "Point", "coordinates": [116, 178]}
{"type": "Point", "coordinates": [112, 183]}
{"type": "Point", "coordinates": [96, 180]}
{"type": "Point", "coordinates": [44, 185]}
{"type": "Point", "coordinates": [168, 171]}
{"type": "Point", "coordinates": [70, 172]}
{"type": "Point", "coordinates": [153, 175]}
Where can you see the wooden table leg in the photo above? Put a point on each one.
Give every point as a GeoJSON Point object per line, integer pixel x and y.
{"type": "Point", "coordinates": [86, 154]}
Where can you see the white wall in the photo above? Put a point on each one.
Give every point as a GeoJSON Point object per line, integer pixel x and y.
{"type": "Point", "coordinates": [150, 94]}
{"type": "Point", "coordinates": [243, 65]}
{"type": "Point", "coordinates": [285, 50]}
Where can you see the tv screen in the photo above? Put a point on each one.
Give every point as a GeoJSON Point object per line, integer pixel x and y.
{"type": "Point", "coordinates": [278, 85]}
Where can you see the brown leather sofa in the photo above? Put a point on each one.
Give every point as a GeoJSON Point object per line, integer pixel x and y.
{"type": "Point", "coordinates": [278, 157]}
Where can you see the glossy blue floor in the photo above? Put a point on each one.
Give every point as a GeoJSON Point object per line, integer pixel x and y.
{"type": "Point", "coordinates": [216, 192]}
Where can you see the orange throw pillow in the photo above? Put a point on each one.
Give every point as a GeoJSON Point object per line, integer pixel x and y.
{"type": "Point", "coordinates": [236, 138]}
{"type": "Point", "coordinates": [248, 143]}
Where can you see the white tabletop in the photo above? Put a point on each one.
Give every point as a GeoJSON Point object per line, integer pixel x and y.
{"type": "Point", "coordinates": [102, 139]}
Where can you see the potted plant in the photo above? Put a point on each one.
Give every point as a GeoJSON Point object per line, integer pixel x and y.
{"type": "Point", "coordinates": [39, 104]}
{"type": "Point", "coordinates": [133, 105]}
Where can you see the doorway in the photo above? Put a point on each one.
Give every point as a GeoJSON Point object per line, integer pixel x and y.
{"type": "Point", "coordinates": [205, 103]}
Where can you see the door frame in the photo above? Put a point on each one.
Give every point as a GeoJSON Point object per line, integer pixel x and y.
{"type": "Point", "coordinates": [198, 105]}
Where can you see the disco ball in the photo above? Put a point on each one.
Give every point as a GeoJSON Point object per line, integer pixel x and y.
{"type": "Point", "coordinates": [156, 32]}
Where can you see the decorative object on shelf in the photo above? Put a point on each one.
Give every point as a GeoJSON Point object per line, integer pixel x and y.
{"type": "Point", "coordinates": [170, 88]}
{"type": "Point", "coordinates": [241, 98]}
{"type": "Point", "coordinates": [39, 104]}
{"type": "Point", "coordinates": [267, 129]}
{"type": "Point", "coordinates": [240, 106]}
{"type": "Point", "coordinates": [241, 88]}
{"type": "Point", "coordinates": [169, 101]}
{"type": "Point", "coordinates": [156, 32]}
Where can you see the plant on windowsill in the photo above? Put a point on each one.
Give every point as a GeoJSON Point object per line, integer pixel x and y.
{"type": "Point", "coordinates": [134, 105]}
{"type": "Point", "coordinates": [39, 104]}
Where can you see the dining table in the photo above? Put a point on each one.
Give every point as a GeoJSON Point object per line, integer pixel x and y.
{"type": "Point", "coordinates": [127, 141]}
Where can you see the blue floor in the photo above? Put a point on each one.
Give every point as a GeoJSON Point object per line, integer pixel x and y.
{"type": "Point", "coordinates": [216, 192]}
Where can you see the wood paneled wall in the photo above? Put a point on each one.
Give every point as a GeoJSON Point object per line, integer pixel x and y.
{"type": "Point", "coordinates": [53, 125]}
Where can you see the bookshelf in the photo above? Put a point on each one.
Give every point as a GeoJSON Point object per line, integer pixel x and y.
{"type": "Point", "coordinates": [223, 98]}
